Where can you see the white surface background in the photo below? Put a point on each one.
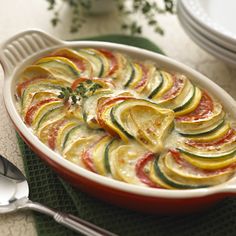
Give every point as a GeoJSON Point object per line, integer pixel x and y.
{"type": "Point", "coordinates": [18, 15]}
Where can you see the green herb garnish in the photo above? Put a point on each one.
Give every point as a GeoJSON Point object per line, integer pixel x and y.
{"type": "Point", "coordinates": [83, 90]}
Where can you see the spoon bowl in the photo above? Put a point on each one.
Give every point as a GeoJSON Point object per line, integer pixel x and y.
{"type": "Point", "coordinates": [14, 196]}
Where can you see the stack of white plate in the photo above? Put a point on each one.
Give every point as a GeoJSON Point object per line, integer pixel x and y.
{"type": "Point", "coordinates": [212, 25]}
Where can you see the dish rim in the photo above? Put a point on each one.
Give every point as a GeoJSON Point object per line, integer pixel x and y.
{"type": "Point", "coordinates": [164, 62]}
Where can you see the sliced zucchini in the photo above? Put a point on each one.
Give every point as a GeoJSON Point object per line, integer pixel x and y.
{"type": "Point", "coordinates": [154, 85]}
{"type": "Point", "coordinates": [216, 155]}
{"type": "Point", "coordinates": [166, 85]}
{"type": "Point", "coordinates": [63, 132]}
{"type": "Point", "coordinates": [211, 148]}
{"type": "Point", "coordinates": [186, 173]}
{"type": "Point", "coordinates": [50, 116]}
{"type": "Point", "coordinates": [34, 71]}
{"type": "Point", "coordinates": [175, 96]}
{"type": "Point", "coordinates": [182, 99]}
{"type": "Point", "coordinates": [208, 163]}
{"type": "Point", "coordinates": [125, 159]}
{"type": "Point", "coordinates": [44, 109]}
{"type": "Point", "coordinates": [60, 67]}
{"type": "Point", "coordinates": [81, 62]}
{"type": "Point", "coordinates": [35, 89]}
{"type": "Point", "coordinates": [162, 172]}
{"type": "Point", "coordinates": [74, 152]}
{"type": "Point", "coordinates": [145, 121]}
{"type": "Point", "coordinates": [201, 125]}
{"type": "Point", "coordinates": [213, 135]}
{"type": "Point", "coordinates": [203, 132]}
{"type": "Point", "coordinates": [189, 105]}
{"type": "Point", "coordinates": [110, 156]}
{"type": "Point", "coordinates": [95, 61]}
{"type": "Point", "coordinates": [128, 75]}
{"type": "Point", "coordinates": [98, 154]}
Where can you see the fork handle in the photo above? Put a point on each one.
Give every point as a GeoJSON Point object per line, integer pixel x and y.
{"type": "Point", "coordinates": [75, 223]}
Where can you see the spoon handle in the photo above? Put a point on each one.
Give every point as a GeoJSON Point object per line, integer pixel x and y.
{"type": "Point", "coordinates": [68, 220]}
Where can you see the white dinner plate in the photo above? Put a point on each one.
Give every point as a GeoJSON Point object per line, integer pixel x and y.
{"type": "Point", "coordinates": [215, 19]}
{"type": "Point", "coordinates": [209, 46]}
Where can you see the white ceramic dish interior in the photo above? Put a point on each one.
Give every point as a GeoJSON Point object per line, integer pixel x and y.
{"type": "Point", "coordinates": [215, 16]}
{"type": "Point", "coordinates": [217, 51]}
{"type": "Point", "coordinates": [25, 47]}
{"type": "Point", "coordinates": [209, 34]}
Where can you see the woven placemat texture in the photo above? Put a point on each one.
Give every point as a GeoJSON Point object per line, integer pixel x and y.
{"type": "Point", "coordinates": [49, 189]}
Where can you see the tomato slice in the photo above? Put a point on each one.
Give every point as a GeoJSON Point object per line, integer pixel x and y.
{"type": "Point", "coordinates": [78, 81]}
{"type": "Point", "coordinates": [113, 61]}
{"type": "Point", "coordinates": [144, 78]}
{"type": "Point", "coordinates": [53, 132]}
{"type": "Point", "coordinates": [22, 86]}
{"type": "Point", "coordinates": [178, 84]}
{"type": "Point", "coordinates": [203, 110]}
{"type": "Point", "coordinates": [87, 160]}
{"type": "Point", "coordinates": [31, 111]}
{"type": "Point", "coordinates": [87, 157]}
{"type": "Point", "coordinates": [140, 170]}
{"type": "Point", "coordinates": [104, 82]}
{"type": "Point", "coordinates": [229, 136]}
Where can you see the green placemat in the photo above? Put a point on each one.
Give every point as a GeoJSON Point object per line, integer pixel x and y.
{"type": "Point", "coordinates": [47, 188]}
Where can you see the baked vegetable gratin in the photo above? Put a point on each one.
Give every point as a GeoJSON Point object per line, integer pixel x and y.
{"type": "Point", "coordinates": [127, 119]}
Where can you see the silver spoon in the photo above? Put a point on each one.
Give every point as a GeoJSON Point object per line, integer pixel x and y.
{"type": "Point", "coordinates": [14, 193]}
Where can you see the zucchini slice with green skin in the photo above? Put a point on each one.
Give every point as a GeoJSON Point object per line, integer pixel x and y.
{"type": "Point", "coordinates": [81, 62]}
{"type": "Point", "coordinates": [155, 82]}
{"type": "Point", "coordinates": [60, 67]}
{"type": "Point", "coordinates": [201, 125]}
{"type": "Point", "coordinates": [165, 86]}
{"type": "Point", "coordinates": [194, 175]}
{"type": "Point", "coordinates": [95, 61]}
{"type": "Point", "coordinates": [191, 105]}
{"type": "Point", "coordinates": [101, 54]}
{"type": "Point", "coordinates": [107, 151]}
{"type": "Point", "coordinates": [204, 132]}
{"type": "Point", "coordinates": [109, 157]}
{"type": "Point", "coordinates": [211, 136]}
{"type": "Point", "coordinates": [78, 132]}
{"type": "Point", "coordinates": [128, 75]}
{"type": "Point", "coordinates": [98, 154]}
{"type": "Point", "coordinates": [228, 154]}
{"type": "Point", "coordinates": [42, 110]}
{"type": "Point", "coordinates": [51, 116]}
{"type": "Point", "coordinates": [71, 135]}
{"type": "Point", "coordinates": [124, 159]}
{"type": "Point", "coordinates": [149, 128]}
{"type": "Point", "coordinates": [223, 144]}
{"type": "Point", "coordinates": [186, 100]}
{"type": "Point", "coordinates": [134, 79]}
{"type": "Point", "coordinates": [208, 163]}
{"type": "Point", "coordinates": [32, 90]}
{"type": "Point", "coordinates": [160, 171]}
{"type": "Point", "coordinates": [33, 72]}
{"type": "Point", "coordinates": [63, 132]}
{"type": "Point", "coordinates": [177, 93]}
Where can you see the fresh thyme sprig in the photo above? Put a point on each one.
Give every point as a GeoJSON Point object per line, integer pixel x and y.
{"type": "Point", "coordinates": [83, 90]}
{"type": "Point", "coordinates": [148, 8]}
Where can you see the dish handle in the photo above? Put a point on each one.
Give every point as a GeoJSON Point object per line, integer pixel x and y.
{"type": "Point", "coordinates": [22, 45]}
